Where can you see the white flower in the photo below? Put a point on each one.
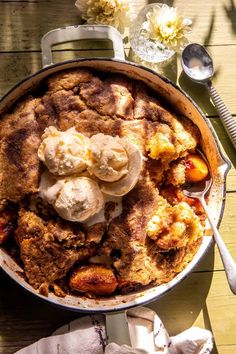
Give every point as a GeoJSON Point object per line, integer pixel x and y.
{"type": "Point", "coordinates": [166, 26]}
{"type": "Point", "coordinates": [116, 13]}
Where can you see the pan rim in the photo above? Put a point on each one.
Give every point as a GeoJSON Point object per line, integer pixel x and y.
{"type": "Point", "coordinates": [226, 165]}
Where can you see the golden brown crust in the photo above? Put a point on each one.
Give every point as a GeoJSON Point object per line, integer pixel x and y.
{"type": "Point", "coordinates": [177, 173]}
{"type": "Point", "coordinates": [20, 139]}
{"type": "Point", "coordinates": [109, 97]}
{"type": "Point", "coordinates": [7, 224]}
{"type": "Point", "coordinates": [173, 227]}
{"type": "Point", "coordinates": [146, 106]}
{"type": "Point", "coordinates": [140, 259]}
{"type": "Point", "coordinates": [49, 249]}
{"type": "Point", "coordinates": [127, 236]}
{"type": "Point", "coordinates": [68, 79]}
{"type": "Point", "coordinates": [94, 103]}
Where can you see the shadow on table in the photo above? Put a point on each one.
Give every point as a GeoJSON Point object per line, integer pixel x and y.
{"type": "Point", "coordinates": [224, 139]}
{"type": "Point", "coordinates": [201, 96]}
{"type": "Point", "coordinates": [23, 36]}
{"type": "Point", "coordinates": [180, 308]}
{"type": "Point", "coordinates": [167, 2]}
{"type": "Point", "coordinates": [167, 68]}
{"type": "Point", "coordinates": [32, 21]}
{"type": "Point", "coordinates": [199, 93]}
{"type": "Point", "coordinates": [230, 11]}
{"type": "Point", "coordinates": [25, 318]}
{"type": "Point", "coordinates": [208, 36]}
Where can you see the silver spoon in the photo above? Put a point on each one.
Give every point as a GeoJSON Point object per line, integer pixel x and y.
{"type": "Point", "coordinates": [198, 65]}
{"type": "Point", "coordinates": [198, 191]}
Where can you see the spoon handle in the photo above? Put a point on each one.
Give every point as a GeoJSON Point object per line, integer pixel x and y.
{"type": "Point", "coordinates": [229, 263]}
{"type": "Point", "coordinates": [225, 115]}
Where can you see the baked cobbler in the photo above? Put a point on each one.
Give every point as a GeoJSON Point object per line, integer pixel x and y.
{"type": "Point", "coordinates": [92, 171]}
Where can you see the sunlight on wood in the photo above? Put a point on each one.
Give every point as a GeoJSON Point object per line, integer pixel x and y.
{"type": "Point", "coordinates": [204, 298]}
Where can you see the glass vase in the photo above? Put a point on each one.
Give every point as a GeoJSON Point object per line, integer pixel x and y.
{"type": "Point", "coordinates": [146, 49]}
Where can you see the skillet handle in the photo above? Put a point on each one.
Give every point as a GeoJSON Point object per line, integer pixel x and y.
{"type": "Point", "coordinates": [73, 33]}
{"type": "Point", "coordinates": [117, 328]}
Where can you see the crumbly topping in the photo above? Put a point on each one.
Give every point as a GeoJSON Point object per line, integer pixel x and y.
{"type": "Point", "coordinates": [151, 240]}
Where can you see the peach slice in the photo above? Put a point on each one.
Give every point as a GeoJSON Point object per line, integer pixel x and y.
{"type": "Point", "coordinates": [196, 168]}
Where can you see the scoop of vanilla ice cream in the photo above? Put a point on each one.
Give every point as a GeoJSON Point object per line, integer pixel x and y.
{"type": "Point", "coordinates": [73, 198]}
{"type": "Point", "coordinates": [50, 186]}
{"type": "Point", "coordinates": [63, 152]}
{"type": "Point", "coordinates": [79, 199]}
{"type": "Point", "coordinates": [108, 157]}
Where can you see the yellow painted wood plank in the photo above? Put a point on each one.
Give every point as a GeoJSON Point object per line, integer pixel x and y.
{"type": "Point", "coordinates": [228, 225]}
{"type": "Point", "coordinates": [226, 148]}
{"type": "Point", "coordinates": [203, 299]}
{"type": "Point", "coordinates": [24, 23]}
{"type": "Point", "coordinates": [221, 305]}
{"type": "Point", "coordinates": [14, 67]}
{"type": "Point", "coordinates": [226, 349]}
{"type": "Point", "coordinates": [231, 180]}
{"type": "Point", "coordinates": [224, 80]}
{"type": "Point", "coordinates": [27, 319]}
{"type": "Point", "coordinates": [212, 261]}
{"type": "Point", "coordinates": [208, 17]}
{"type": "Point", "coordinates": [21, 328]}
{"type": "Point", "coordinates": [214, 22]}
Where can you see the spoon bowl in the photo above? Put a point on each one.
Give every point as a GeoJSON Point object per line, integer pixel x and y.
{"type": "Point", "coordinates": [197, 63]}
{"type": "Point", "coordinates": [198, 190]}
{"type": "Point", "coordinates": [198, 66]}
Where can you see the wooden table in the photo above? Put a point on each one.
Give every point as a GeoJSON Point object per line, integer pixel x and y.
{"type": "Point", "coordinates": [204, 298]}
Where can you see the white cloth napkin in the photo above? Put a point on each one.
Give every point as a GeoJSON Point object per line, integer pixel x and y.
{"type": "Point", "coordinates": [87, 335]}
